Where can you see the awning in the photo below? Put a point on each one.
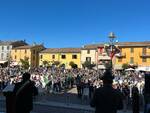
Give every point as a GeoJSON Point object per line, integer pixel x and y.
{"type": "Point", "coordinates": [129, 69]}
{"type": "Point", "coordinates": [101, 67]}
{"type": "Point", "coordinates": [3, 61]}
{"type": "Point", "coordinates": [146, 68]}
{"type": "Point", "coordinates": [118, 67]}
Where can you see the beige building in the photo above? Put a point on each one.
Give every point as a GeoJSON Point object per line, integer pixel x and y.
{"type": "Point", "coordinates": [96, 54]}
{"type": "Point", "coordinates": [89, 53]}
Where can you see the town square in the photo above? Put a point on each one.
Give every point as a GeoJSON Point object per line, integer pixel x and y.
{"type": "Point", "coordinates": [74, 56]}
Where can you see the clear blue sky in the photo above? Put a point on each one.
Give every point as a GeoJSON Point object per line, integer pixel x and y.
{"type": "Point", "coordinates": [73, 23]}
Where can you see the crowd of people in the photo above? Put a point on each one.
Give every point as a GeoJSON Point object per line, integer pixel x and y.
{"type": "Point", "coordinates": [58, 80]}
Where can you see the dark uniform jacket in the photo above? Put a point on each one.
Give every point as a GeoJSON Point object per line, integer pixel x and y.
{"type": "Point", "coordinates": [24, 96]}
{"type": "Point", "coordinates": [107, 100]}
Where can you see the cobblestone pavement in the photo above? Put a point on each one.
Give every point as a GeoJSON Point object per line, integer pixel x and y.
{"type": "Point", "coordinates": [58, 103]}
{"type": "Point", "coordinates": [51, 109]}
{"type": "Point", "coordinates": [70, 98]}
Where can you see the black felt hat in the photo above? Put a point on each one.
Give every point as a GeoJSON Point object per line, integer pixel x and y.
{"type": "Point", "coordinates": [107, 75]}
{"type": "Point", "coordinates": [26, 76]}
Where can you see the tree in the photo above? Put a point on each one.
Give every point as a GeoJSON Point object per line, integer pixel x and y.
{"type": "Point", "coordinates": [45, 63]}
{"type": "Point", "coordinates": [73, 65]}
{"type": "Point", "coordinates": [125, 66]}
{"type": "Point", "coordinates": [62, 65]}
{"type": "Point", "coordinates": [88, 65]}
{"type": "Point", "coordinates": [56, 63]}
{"type": "Point", "coordinates": [25, 63]}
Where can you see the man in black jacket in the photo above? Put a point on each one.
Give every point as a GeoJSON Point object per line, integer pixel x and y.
{"type": "Point", "coordinates": [24, 92]}
{"type": "Point", "coordinates": [106, 99]}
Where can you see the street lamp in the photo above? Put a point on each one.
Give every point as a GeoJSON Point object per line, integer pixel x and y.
{"type": "Point", "coordinates": [111, 48]}
{"type": "Point", "coordinates": [111, 39]}
{"type": "Point", "coordinates": [112, 35]}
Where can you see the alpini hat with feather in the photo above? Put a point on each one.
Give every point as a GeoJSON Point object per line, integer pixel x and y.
{"type": "Point", "coordinates": [107, 75]}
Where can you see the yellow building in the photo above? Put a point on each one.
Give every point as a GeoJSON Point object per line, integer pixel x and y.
{"type": "Point", "coordinates": [31, 52]}
{"type": "Point", "coordinates": [133, 53]}
{"type": "Point", "coordinates": [62, 55]}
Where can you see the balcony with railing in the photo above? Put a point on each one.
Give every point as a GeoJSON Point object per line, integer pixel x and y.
{"type": "Point", "coordinates": [144, 55]}
{"type": "Point", "coordinates": [103, 58]}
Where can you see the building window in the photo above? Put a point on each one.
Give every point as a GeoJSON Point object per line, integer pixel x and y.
{"type": "Point", "coordinates": [88, 59]}
{"type": "Point", "coordinates": [15, 57]}
{"type": "Point", "coordinates": [74, 56]}
{"type": "Point", "coordinates": [132, 50]}
{"type": "Point", "coordinates": [103, 62]}
{"type": "Point", "coordinates": [144, 60]}
{"type": "Point", "coordinates": [2, 55]}
{"type": "Point", "coordinates": [33, 51]}
{"type": "Point", "coordinates": [2, 47]}
{"type": "Point", "coordinates": [100, 62]}
{"type": "Point", "coordinates": [7, 47]}
{"type": "Point", "coordinates": [53, 56]}
{"type": "Point", "coordinates": [63, 56]}
{"type": "Point", "coordinates": [88, 51]}
{"type": "Point", "coordinates": [7, 55]}
{"type": "Point", "coordinates": [41, 56]}
{"type": "Point", "coordinates": [120, 60]}
{"type": "Point", "coordinates": [131, 60]}
{"type": "Point", "coordinates": [25, 51]}
{"type": "Point", "coordinates": [33, 58]}
{"type": "Point", "coordinates": [144, 50]}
